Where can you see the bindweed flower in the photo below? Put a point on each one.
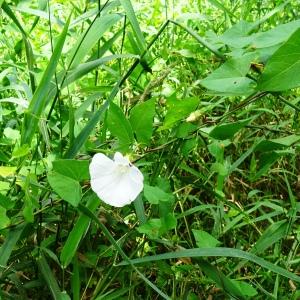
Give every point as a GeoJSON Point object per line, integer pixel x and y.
{"type": "Point", "coordinates": [116, 182]}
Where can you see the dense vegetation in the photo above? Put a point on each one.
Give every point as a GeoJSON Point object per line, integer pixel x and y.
{"type": "Point", "coordinates": [202, 96]}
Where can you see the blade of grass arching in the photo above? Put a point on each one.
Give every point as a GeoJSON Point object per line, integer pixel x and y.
{"type": "Point", "coordinates": [216, 252]}
{"type": "Point", "coordinates": [108, 235]}
{"type": "Point", "coordinates": [28, 48]}
{"type": "Point", "coordinates": [9, 244]}
{"type": "Point", "coordinates": [49, 278]}
{"type": "Point", "coordinates": [38, 102]}
{"type": "Point", "coordinates": [84, 134]}
{"type": "Point", "coordinates": [200, 39]}
{"type": "Point", "coordinates": [134, 24]}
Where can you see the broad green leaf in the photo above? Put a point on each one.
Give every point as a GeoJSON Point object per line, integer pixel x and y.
{"type": "Point", "coordinates": [246, 289]}
{"type": "Point", "coordinates": [75, 169]}
{"type": "Point", "coordinates": [78, 232]}
{"type": "Point", "coordinates": [7, 171]}
{"type": "Point", "coordinates": [39, 99]}
{"type": "Point", "coordinates": [67, 188]}
{"type": "Point", "coordinates": [277, 144]}
{"type": "Point", "coordinates": [20, 151]}
{"type": "Point", "coordinates": [151, 228]}
{"type": "Point", "coordinates": [119, 127]}
{"type": "Point", "coordinates": [168, 222]}
{"type": "Point", "coordinates": [238, 36]}
{"type": "Point", "coordinates": [6, 202]}
{"type": "Point", "coordinates": [227, 131]}
{"type": "Point", "coordinates": [217, 252]}
{"type": "Point", "coordinates": [230, 78]}
{"type": "Point", "coordinates": [178, 109]}
{"type": "Point", "coordinates": [154, 194]}
{"type": "Point", "coordinates": [281, 71]}
{"type": "Point", "coordinates": [155, 228]}
{"type": "Point", "coordinates": [141, 120]}
{"type": "Point", "coordinates": [275, 36]}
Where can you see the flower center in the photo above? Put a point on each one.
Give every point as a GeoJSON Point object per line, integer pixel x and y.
{"type": "Point", "coordinates": [122, 169]}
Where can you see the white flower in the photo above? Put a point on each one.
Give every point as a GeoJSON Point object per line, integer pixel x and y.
{"type": "Point", "coordinates": [116, 182]}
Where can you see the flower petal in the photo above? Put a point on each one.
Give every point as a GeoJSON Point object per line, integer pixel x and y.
{"type": "Point", "coordinates": [117, 182]}
{"type": "Point", "coordinates": [120, 159]}
{"type": "Point", "coordinates": [123, 190]}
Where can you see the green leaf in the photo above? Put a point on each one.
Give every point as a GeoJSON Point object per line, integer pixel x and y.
{"type": "Point", "coordinates": [134, 24]}
{"type": "Point", "coordinates": [228, 130]}
{"type": "Point", "coordinates": [277, 144]}
{"type": "Point", "coordinates": [281, 71]}
{"type": "Point", "coordinates": [168, 222]}
{"type": "Point", "coordinates": [10, 241]}
{"type": "Point", "coordinates": [246, 289]}
{"type": "Point", "coordinates": [270, 236]}
{"type": "Point", "coordinates": [7, 171]}
{"type": "Point", "coordinates": [50, 279]}
{"type": "Point", "coordinates": [152, 228]}
{"type": "Point", "coordinates": [141, 120]}
{"type": "Point", "coordinates": [20, 151]}
{"type": "Point", "coordinates": [78, 232]}
{"type": "Point", "coordinates": [204, 239]}
{"type": "Point", "coordinates": [91, 36]}
{"type": "Point", "coordinates": [155, 228]}
{"type": "Point", "coordinates": [267, 159]}
{"type": "Point", "coordinates": [75, 169]}
{"type": "Point", "coordinates": [178, 109]}
{"type": "Point", "coordinates": [4, 220]}
{"type": "Point", "coordinates": [39, 99]}
{"type": "Point", "coordinates": [120, 127]}
{"type": "Point", "coordinates": [67, 188]}
{"type": "Point", "coordinates": [89, 66]}
{"type": "Point", "coordinates": [154, 194]}
{"type": "Point", "coordinates": [230, 78]}
{"type": "Point", "coordinates": [6, 202]}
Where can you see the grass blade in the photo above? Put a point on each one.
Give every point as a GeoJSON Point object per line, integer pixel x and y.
{"type": "Point", "coordinates": [216, 252]}
{"type": "Point", "coordinates": [38, 102]}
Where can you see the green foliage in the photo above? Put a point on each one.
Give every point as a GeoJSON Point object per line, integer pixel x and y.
{"type": "Point", "coordinates": [202, 96]}
{"type": "Point", "coordinates": [141, 120]}
{"type": "Point", "coordinates": [280, 73]}
{"type": "Point", "coordinates": [119, 127]}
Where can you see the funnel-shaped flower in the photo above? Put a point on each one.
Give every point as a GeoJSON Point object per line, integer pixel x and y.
{"type": "Point", "coordinates": [116, 182]}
